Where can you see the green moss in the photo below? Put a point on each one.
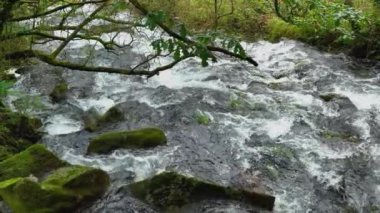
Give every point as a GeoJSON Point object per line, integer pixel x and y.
{"type": "Point", "coordinates": [59, 92]}
{"type": "Point", "coordinates": [112, 115]}
{"type": "Point", "coordinates": [170, 189]}
{"type": "Point", "coordinates": [4, 153]}
{"type": "Point", "coordinates": [36, 160]}
{"type": "Point", "coordinates": [18, 131]}
{"type": "Point", "coordinates": [283, 152]}
{"type": "Point", "coordinates": [141, 138]}
{"type": "Point", "coordinates": [93, 122]}
{"type": "Point", "coordinates": [78, 180]}
{"type": "Point", "coordinates": [24, 196]}
{"type": "Point", "coordinates": [277, 29]}
{"type": "Point", "coordinates": [202, 118]}
{"type": "Point", "coordinates": [330, 135]}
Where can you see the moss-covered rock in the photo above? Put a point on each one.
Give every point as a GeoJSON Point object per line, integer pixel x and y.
{"type": "Point", "coordinates": [63, 190]}
{"type": "Point", "coordinates": [339, 136]}
{"type": "Point", "coordinates": [18, 126]}
{"type": "Point", "coordinates": [141, 138]}
{"type": "Point", "coordinates": [93, 121]}
{"type": "Point", "coordinates": [59, 92]}
{"type": "Point", "coordinates": [35, 160]}
{"type": "Point", "coordinates": [169, 189]}
{"type": "Point", "coordinates": [24, 195]}
{"type": "Point", "coordinates": [327, 97]}
{"type": "Point", "coordinates": [78, 180]}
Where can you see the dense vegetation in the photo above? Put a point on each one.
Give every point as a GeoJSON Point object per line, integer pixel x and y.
{"type": "Point", "coordinates": [352, 26]}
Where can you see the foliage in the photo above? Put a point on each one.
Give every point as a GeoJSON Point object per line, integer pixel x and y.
{"type": "Point", "coordinates": [202, 118]}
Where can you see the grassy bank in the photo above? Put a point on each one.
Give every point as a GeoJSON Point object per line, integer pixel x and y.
{"type": "Point", "coordinates": [334, 25]}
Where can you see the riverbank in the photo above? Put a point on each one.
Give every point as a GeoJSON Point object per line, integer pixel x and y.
{"type": "Point", "coordinates": [351, 27]}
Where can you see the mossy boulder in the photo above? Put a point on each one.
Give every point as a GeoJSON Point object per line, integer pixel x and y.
{"type": "Point", "coordinates": [169, 190]}
{"type": "Point", "coordinates": [35, 160]}
{"type": "Point", "coordinates": [339, 136]}
{"type": "Point", "coordinates": [37, 181]}
{"type": "Point", "coordinates": [140, 138]}
{"type": "Point", "coordinates": [82, 181]}
{"type": "Point", "coordinates": [18, 126]}
{"type": "Point", "coordinates": [93, 121]}
{"type": "Point", "coordinates": [59, 92]}
{"type": "Point", "coordinates": [24, 195]}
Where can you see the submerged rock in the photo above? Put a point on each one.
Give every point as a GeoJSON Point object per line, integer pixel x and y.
{"type": "Point", "coordinates": [59, 92]}
{"type": "Point", "coordinates": [93, 120]}
{"type": "Point", "coordinates": [36, 160]}
{"type": "Point", "coordinates": [170, 190]}
{"type": "Point", "coordinates": [141, 138]}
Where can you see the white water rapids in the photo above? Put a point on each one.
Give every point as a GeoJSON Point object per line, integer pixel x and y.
{"type": "Point", "coordinates": [287, 115]}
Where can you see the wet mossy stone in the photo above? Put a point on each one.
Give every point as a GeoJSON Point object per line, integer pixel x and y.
{"type": "Point", "coordinates": [329, 96]}
{"type": "Point", "coordinates": [59, 92]}
{"type": "Point", "coordinates": [169, 190]}
{"type": "Point", "coordinates": [82, 181]}
{"type": "Point", "coordinates": [92, 119]}
{"type": "Point", "coordinates": [24, 196]}
{"type": "Point", "coordinates": [140, 138]}
{"type": "Point", "coordinates": [112, 115]}
{"type": "Point", "coordinates": [16, 126]}
{"type": "Point", "coordinates": [35, 160]}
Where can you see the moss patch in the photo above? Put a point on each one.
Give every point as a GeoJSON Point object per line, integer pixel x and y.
{"type": "Point", "coordinates": [170, 189]}
{"type": "Point", "coordinates": [331, 136]}
{"type": "Point", "coordinates": [36, 160]}
{"type": "Point", "coordinates": [93, 121]}
{"type": "Point", "coordinates": [59, 92]}
{"type": "Point", "coordinates": [78, 180]}
{"type": "Point", "coordinates": [141, 138]}
{"type": "Point", "coordinates": [24, 196]}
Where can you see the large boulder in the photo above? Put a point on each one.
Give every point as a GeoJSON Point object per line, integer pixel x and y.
{"type": "Point", "coordinates": [35, 180]}
{"type": "Point", "coordinates": [36, 160]}
{"type": "Point", "coordinates": [93, 120]}
{"type": "Point", "coordinates": [24, 195]}
{"type": "Point", "coordinates": [140, 138]}
{"type": "Point", "coordinates": [170, 190]}
{"type": "Point", "coordinates": [62, 191]}
{"type": "Point", "coordinates": [82, 181]}
{"type": "Point", "coordinates": [59, 92]}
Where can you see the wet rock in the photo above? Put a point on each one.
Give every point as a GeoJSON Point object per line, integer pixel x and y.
{"type": "Point", "coordinates": [140, 138]}
{"type": "Point", "coordinates": [258, 87]}
{"type": "Point", "coordinates": [59, 92]}
{"type": "Point", "coordinates": [36, 160]}
{"type": "Point", "coordinates": [169, 189]}
{"type": "Point", "coordinates": [18, 127]}
{"type": "Point", "coordinates": [119, 200]}
{"type": "Point", "coordinates": [93, 120]}
{"type": "Point", "coordinates": [82, 181]}
{"type": "Point", "coordinates": [339, 136]}
{"type": "Point", "coordinates": [24, 195]}
{"type": "Point", "coordinates": [61, 191]}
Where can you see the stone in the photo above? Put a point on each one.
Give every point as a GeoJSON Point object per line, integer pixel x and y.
{"type": "Point", "coordinates": [140, 138]}
{"type": "Point", "coordinates": [169, 190]}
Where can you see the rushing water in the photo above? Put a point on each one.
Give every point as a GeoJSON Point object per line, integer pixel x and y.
{"type": "Point", "coordinates": [269, 126]}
